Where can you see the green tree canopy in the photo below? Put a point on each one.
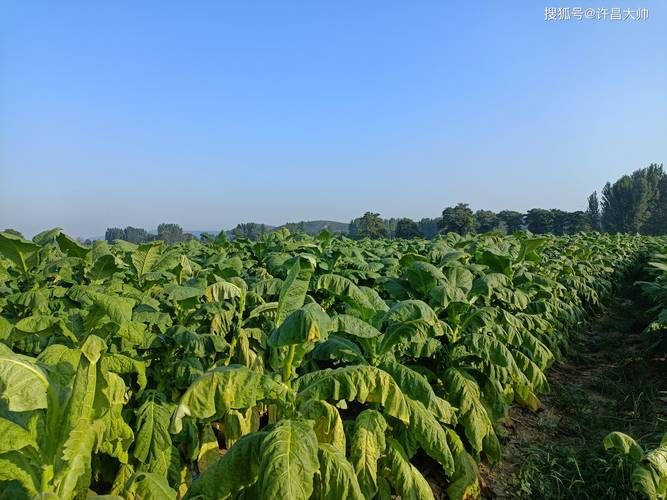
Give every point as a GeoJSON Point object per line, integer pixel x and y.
{"type": "Point", "coordinates": [407, 228]}
{"type": "Point", "coordinates": [627, 203]}
{"type": "Point", "coordinates": [131, 234]}
{"type": "Point", "coordinates": [458, 219]}
{"type": "Point", "coordinates": [428, 227]}
{"type": "Point", "coordinates": [486, 221]}
{"type": "Point", "coordinates": [513, 220]}
{"type": "Point", "coordinates": [540, 221]}
{"type": "Point", "coordinates": [657, 220]}
{"type": "Point", "coordinates": [577, 221]}
{"type": "Point", "coordinates": [251, 230]}
{"type": "Point", "coordinates": [593, 211]}
{"type": "Point", "coordinates": [370, 225]}
{"type": "Point", "coordinates": [114, 233]}
{"type": "Point", "coordinates": [137, 235]}
{"type": "Point", "coordinates": [170, 233]}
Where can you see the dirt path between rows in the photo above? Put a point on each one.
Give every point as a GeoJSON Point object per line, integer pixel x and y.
{"type": "Point", "coordinates": [607, 382]}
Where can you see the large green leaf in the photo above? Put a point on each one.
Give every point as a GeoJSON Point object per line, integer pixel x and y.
{"type": "Point", "coordinates": [77, 451]}
{"type": "Point", "coordinates": [347, 290]}
{"type": "Point", "coordinates": [406, 479]}
{"type": "Point", "coordinates": [117, 435]}
{"type": "Point", "coordinates": [337, 479]}
{"type": "Point", "coordinates": [146, 257]}
{"type": "Point", "coordinates": [465, 393]}
{"type": "Point", "coordinates": [24, 384]}
{"type": "Point", "coordinates": [328, 424]}
{"type": "Point", "coordinates": [149, 486]}
{"type": "Point", "coordinates": [529, 249]}
{"type": "Point", "coordinates": [416, 386]}
{"type": "Point", "coordinates": [415, 337]}
{"type": "Point", "coordinates": [366, 447]}
{"type": "Point", "coordinates": [424, 276]}
{"type": "Point", "coordinates": [293, 290]}
{"type": "Point", "coordinates": [14, 437]}
{"type": "Point", "coordinates": [354, 326]}
{"type": "Point", "coordinates": [22, 253]}
{"type": "Point", "coordinates": [152, 439]}
{"type": "Point", "coordinates": [427, 431]}
{"type": "Point", "coordinates": [70, 247]}
{"type": "Point", "coordinates": [288, 461]}
{"type": "Point", "coordinates": [410, 310]}
{"type": "Point", "coordinates": [305, 325]}
{"type": "Point", "coordinates": [119, 309]}
{"type": "Point", "coordinates": [74, 427]}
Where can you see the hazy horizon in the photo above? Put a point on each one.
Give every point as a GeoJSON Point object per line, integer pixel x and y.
{"type": "Point", "coordinates": [213, 114]}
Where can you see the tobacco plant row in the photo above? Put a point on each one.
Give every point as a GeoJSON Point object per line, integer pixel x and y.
{"type": "Point", "coordinates": [293, 367]}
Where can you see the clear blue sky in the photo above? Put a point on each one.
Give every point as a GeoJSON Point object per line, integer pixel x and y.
{"type": "Point", "coordinates": [212, 113]}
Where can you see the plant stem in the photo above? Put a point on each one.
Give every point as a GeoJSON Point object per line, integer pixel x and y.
{"type": "Point", "coordinates": [232, 346]}
{"type": "Point", "coordinates": [287, 369]}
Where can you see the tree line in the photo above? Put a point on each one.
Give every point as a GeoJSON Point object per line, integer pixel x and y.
{"type": "Point", "coordinates": [461, 219]}
{"type": "Point", "coordinates": [635, 203]}
{"type": "Point", "coordinates": [169, 233]}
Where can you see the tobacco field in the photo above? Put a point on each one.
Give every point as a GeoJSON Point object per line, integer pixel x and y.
{"type": "Point", "coordinates": [294, 367]}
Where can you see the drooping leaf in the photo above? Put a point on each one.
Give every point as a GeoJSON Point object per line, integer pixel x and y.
{"type": "Point", "coordinates": [288, 461]}
{"type": "Point", "coordinates": [337, 479]}
{"type": "Point", "coordinates": [338, 348]}
{"type": "Point", "coordinates": [362, 383]}
{"type": "Point", "coordinates": [304, 325]}
{"type": "Point", "coordinates": [416, 386]}
{"type": "Point", "coordinates": [465, 483]}
{"type": "Point", "coordinates": [346, 289]}
{"type": "Point", "coordinates": [406, 479]}
{"type": "Point", "coordinates": [623, 444]}
{"type": "Point", "coordinates": [465, 393]}
{"type": "Point", "coordinates": [328, 424]}
{"type": "Point", "coordinates": [430, 435]}
{"type": "Point", "coordinates": [366, 447]}
{"type": "Point", "coordinates": [217, 391]}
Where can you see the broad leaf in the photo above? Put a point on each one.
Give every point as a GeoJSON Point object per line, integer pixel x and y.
{"type": "Point", "coordinates": [289, 461]}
